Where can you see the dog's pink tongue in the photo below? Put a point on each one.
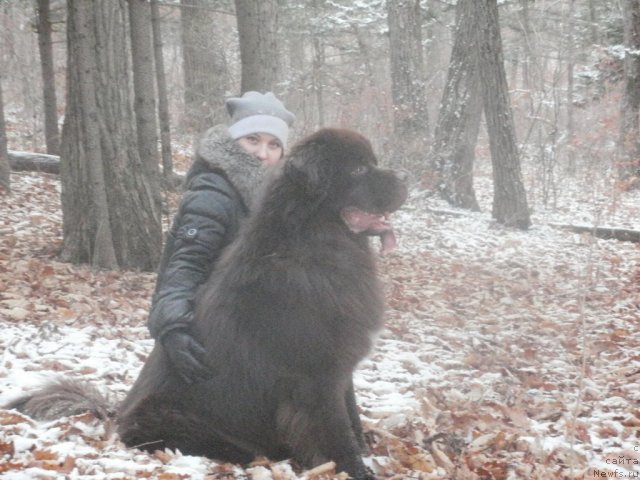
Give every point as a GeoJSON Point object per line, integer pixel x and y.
{"type": "Point", "coordinates": [372, 224]}
{"type": "Point", "coordinates": [387, 241]}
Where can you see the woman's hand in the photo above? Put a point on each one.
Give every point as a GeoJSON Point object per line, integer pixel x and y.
{"type": "Point", "coordinates": [187, 355]}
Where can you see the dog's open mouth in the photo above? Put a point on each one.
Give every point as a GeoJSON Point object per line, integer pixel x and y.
{"type": "Point", "coordinates": [373, 224]}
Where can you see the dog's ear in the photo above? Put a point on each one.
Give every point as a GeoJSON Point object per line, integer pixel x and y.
{"type": "Point", "coordinates": [311, 167]}
{"type": "Point", "coordinates": [316, 161]}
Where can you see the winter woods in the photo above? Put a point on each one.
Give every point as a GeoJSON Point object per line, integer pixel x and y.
{"type": "Point", "coordinates": [508, 353]}
{"type": "Point", "coordinates": [401, 71]}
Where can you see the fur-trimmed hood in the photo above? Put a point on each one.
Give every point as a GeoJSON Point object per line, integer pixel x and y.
{"type": "Point", "coordinates": [220, 152]}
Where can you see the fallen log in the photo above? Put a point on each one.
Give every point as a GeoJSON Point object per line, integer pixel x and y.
{"type": "Point", "coordinates": [42, 162]}
{"type": "Point", "coordinates": [606, 233]}
{"type": "Point", "coordinates": [34, 162]}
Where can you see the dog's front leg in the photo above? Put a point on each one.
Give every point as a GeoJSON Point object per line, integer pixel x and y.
{"type": "Point", "coordinates": [354, 417]}
{"type": "Point", "coordinates": [316, 424]}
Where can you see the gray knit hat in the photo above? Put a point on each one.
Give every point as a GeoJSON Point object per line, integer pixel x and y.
{"type": "Point", "coordinates": [255, 112]}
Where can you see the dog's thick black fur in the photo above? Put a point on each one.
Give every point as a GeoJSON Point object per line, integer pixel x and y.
{"type": "Point", "coordinates": [286, 317]}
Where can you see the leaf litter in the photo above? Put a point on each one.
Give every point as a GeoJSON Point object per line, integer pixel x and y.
{"type": "Point", "coordinates": [506, 354]}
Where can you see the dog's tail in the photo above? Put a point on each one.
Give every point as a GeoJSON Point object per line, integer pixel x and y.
{"type": "Point", "coordinates": [63, 398]}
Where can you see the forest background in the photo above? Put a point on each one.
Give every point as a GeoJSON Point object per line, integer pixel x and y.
{"type": "Point", "coordinates": [511, 344]}
{"type": "Point", "coordinates": [543, 74]}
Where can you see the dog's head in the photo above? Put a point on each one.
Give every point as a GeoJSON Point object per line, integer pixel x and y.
{"type": "Point", "coordinates": [338, 170]}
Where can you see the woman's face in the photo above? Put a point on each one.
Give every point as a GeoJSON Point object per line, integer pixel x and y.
{"type": "Point", "coordinates": [263, 146]}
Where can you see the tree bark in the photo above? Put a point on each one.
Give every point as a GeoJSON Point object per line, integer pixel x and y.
{"type": "Point", "coordinates": [318, 81]}
{"type": "Point", "coordinates": [509, 202]}
{"type": "Point", "coordinates": [144, 92]}
{"type": "Point", "coordinates": [5, 170]}
{"type": "Point", "coordinates": [528, 40]}
{"type": "Point", "coordinates": [143, 82]}
{"type": "Point", "coordinates": [593, 23]}
{"type": "Point", "coordinates": [257, 31]}
{"type": "Point", "coordinates": [204, 65]}
{"type": "Point", "coordinates": [456, 132]}
{"type": "Point", "coordinates": [90, 240]}
{"type": "Point", "coordinates": [571, 158]}
{"type": "Point", "coordinates": [51, 133]}
{"type": "Point", "coordinates": [410, 114]}
{"type": "Point", "coordinates": [110, 217]}
{"type": "Point", "coordinates": [629, 142]}
{"type": "Point", "coordinates": [163, 102]}
{"type": "Point", "coordinates": [34, 162]}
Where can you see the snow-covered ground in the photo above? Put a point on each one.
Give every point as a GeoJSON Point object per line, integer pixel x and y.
{"type": "Point", "coordinates": [507, 354]}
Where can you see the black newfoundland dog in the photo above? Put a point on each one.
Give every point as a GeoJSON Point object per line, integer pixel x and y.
{"type": "Point", "coordinates": [285, 319]}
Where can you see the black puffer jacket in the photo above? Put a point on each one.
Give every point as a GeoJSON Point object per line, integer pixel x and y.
{"type": "Point", "coordinates": [217, 192]}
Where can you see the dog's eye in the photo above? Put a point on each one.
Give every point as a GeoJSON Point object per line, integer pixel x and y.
{"type": "Point", "coordinates": [358, 171]}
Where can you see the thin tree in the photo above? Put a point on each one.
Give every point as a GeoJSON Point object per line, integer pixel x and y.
{"type": "Point", "coordinates": [570, 84]}
{"type": "Point", "coordinates": [163, 102]}
{"type": "Point", "coordinates": [110, 217]}
{"type": "Point", "coordinates": [204, 66]}
{"type": "Point", "coordinates": [456, 132]}
{"type": "Point", "coordinates": [629, 166]}
{"type": "Point", "coordinates": [318, 78]}
{"type": "Point", "coordinates": [5, 170]}
{"type": "Point", "coordinates": [477, 72]}
{"type": "Point", "coordinates": [509, 198]}
{"type": "Point", "coordinates": [51, 132]}
{"type": "Point", "coordinates": [593, 23]}
{"type": "Point", "coordinates": [410, 114]}
{"type": "Point", "coordinates": [144, 90]}
{"type": "Point", "coordinates": [257, 31]}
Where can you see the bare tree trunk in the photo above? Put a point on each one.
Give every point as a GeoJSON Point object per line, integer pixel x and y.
{"type": "Point", "coordinates": [91, 239]}
{"type": "Point", "coordinates": [5, 170]}
{"type": "Point", "coordinates": [570, 87]}
{"type": "Point", "coordinates": [110, 217]}
{"type": "Point", "coordinates": [143, 82]}
{"type": "Point", "coordinates": [529, 45]}
{"type": "Point", "coordinates": [630, 108]}
{"type": "Point", "coordinates": [437, 43]}
{"type": "Point", "coordinates": [300, 86]}
{"type": "Point", "coordinates": [411, 118]}
{"type": "Point", "coordinates": [456, 133]}
{"type": "Point", "coordinates": [144, 91]}
{"type": "Point", "coordinates": [365, 54]}
{"type": "Point", "coordinates": [593, 23]}
{"type": "Point", "coordinates": [318, 78]}
{"type": "Point", "coordinates": [51, 134]}
{"type": "Point", "coordinates": [205, 67]}
{"type": "Point", "coordinates": [510, 201]}
{"type": "Point", "coordinates": [163, 102]}
{"type": "Point", "coordinates": [257, 31]}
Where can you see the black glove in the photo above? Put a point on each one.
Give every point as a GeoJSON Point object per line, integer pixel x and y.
{"type": "Point", "coordinates": [187, 355]}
